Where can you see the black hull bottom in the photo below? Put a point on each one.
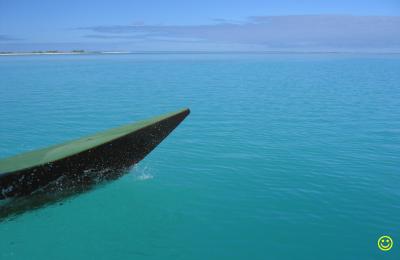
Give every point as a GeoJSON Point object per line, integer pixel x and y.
{"type": "Point", "coordinates": [80, 172]}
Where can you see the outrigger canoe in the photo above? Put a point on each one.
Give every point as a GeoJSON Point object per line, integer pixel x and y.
{"type": "Point", "coordinates": [86, 161]}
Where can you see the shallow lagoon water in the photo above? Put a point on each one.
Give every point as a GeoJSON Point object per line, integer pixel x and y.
{"type": "Point", "coordinates": [284, 156]}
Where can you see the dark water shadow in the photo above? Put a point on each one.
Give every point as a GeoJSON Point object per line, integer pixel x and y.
{"type": "Point", "coordinates": [58, 191]}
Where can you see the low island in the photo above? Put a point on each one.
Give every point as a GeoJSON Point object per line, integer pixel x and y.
{"type": "Point", "coordinates": [47, 52]}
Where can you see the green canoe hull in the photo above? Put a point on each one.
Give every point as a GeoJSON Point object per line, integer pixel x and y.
{"type": "Point", "coordinates": [86, 161]}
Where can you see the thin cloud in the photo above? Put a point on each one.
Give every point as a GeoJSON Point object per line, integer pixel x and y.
{"type": "Point", "coordinates": [142, 37]}
{"type": "Point", "coordinates": [6, 38]}
{"type": "Point", "coordinates": [304, 31]}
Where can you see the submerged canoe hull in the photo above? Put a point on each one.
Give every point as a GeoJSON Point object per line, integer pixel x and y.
{"type": "Point", "coordinates": [105, 161]}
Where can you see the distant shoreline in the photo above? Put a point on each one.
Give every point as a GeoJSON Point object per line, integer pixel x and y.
{"type": "Point", "coordinates": [47, 53]}
{"type": "Point", "coordinates": [61, 53]}
{"type": "Point", "coordinates": [33, 53]}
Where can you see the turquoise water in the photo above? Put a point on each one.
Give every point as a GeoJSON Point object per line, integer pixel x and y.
{"type": "Point", "coordinates": [283, 156]}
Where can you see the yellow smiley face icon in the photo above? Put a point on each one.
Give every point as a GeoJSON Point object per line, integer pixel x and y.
{"type": "Point", "coordinates": [385, 243]}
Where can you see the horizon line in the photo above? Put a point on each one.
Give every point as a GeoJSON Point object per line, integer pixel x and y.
{"type": "Point", "coordinates": [88, 52]}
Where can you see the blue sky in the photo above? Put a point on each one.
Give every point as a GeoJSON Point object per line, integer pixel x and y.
{"type": "Point", "coordinates": [251, 25]}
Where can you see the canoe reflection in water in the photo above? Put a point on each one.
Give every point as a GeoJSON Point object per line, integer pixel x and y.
{"type": "Point", "coordinates": [35, 179]}
{"type": "Point", "coordinates": [57, 192]}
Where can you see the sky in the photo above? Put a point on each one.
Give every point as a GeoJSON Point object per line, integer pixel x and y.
{"type": "Point", "coordinates": [219, 25]}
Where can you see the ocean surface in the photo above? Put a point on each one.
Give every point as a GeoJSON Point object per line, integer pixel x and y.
{"type": "Point", "coordinates": [284, 156]}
